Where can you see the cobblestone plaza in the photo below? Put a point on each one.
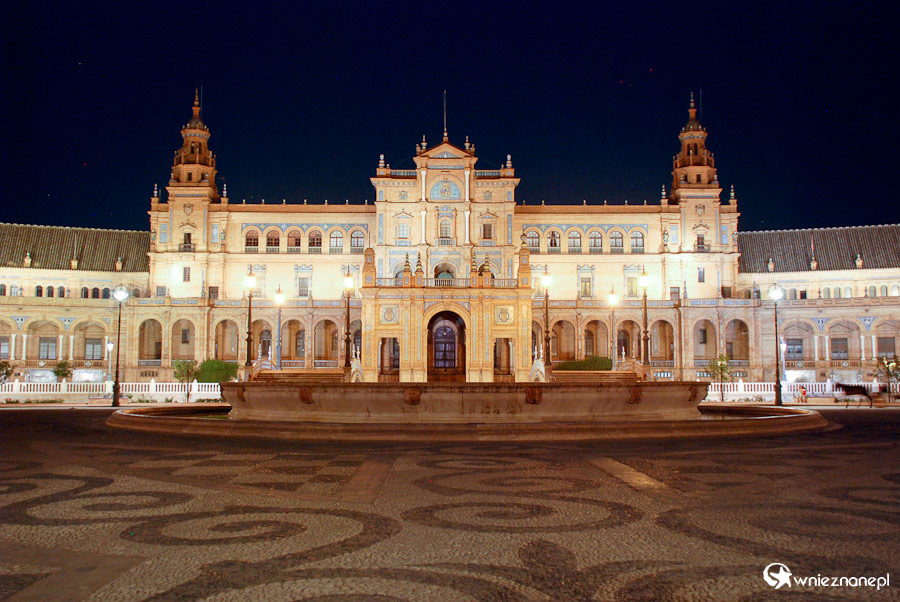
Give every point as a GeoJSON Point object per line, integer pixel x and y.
{"type": "Point", "coordinates": [89, 513]}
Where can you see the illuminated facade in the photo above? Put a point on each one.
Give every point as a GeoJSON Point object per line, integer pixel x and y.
{"type": "Point", "coordinates": [442, 266]}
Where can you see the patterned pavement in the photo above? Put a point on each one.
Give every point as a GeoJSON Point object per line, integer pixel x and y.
{"type": "Point", "coordinates": [88, 513]}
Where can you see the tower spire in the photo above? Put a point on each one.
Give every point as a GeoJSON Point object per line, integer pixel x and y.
{"type": "Point", "coordinates": [445, 115]}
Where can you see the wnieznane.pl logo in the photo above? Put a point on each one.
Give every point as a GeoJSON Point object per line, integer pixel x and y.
{"type": "Point", "coordinates": [778, 574]}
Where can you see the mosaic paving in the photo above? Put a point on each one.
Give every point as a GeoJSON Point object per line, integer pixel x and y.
{"type": "Point", "coordinates": [92, 514]}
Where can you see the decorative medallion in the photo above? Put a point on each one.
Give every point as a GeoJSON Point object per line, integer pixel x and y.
{"type": "Point", "coordinates": [504, 315]}
{"type": "Point", "coordinates": [700, 209]}
{"type": "Point", "coordinates": [88, 363]}
{"type": "Point", "coordinates": [188, 209]}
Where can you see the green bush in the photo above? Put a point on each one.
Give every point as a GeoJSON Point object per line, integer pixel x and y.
{"type": "Point", "coordinates": [593, 362]}
{"type": "Point", "coordinates": [216, 371]}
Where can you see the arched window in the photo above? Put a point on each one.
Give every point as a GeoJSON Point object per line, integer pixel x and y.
{"type": "Point", "coordinates": [826, 293]}
{"type": "Point", "coordinates": [95, 293]}
{"type": "Point", "coordinates": [533, 239]}
{"type": "Point", "coordinates": [300, 344]}
{"type": "Point", "coordinates": [251, 241]}
{"type": "Point", "coordinates": [39, 291]}
{"type": "Point", "coordinates": [272, 241]}
{"type": "Point", "coordinates": [848, 292]}
{"type": "Point", "coordinates": [637, 242]}
{"type": "Point", "coordinates": [315, 241]}
{"type": "Point", "coordinates": [895, 290]}
{"type": "Point", "coordinates": [136, 293]}
{"type": "Point", "coordinates": [837, 292]}
{"type": "Point", "coordinates": [61, 291]}
{"type": "Point", "coordinates": [84, 292]}
{"type": "Point", "coordinates": [595, 241]}
{"type": "Point", "coordinates": [445, 228]}
{"type": "Point", "coordinates": [553, 240]}
{"type": "Point", "coordinates": [883, 291]}
{"type": "Point", "coordinates": [616, 242]}
{"type": "Point", "coordinates": [106, 293]}
{"type": "Point", "coordinates": [792, 294]}
{"type": "Point", "coordinates": [336, 242]}
{"type": "Point", "coordinates": [357, 240]}
{"type": "Point", "coordinates": [295, 241]}
{"type": "Point", "coordinates": [574, 242]}
{"type": "Point", "coordinates": [2, 290]}
{"type": "Point", "coordinates": [872, 291]}
{"type": "Point", "coordinates": [49, 291]}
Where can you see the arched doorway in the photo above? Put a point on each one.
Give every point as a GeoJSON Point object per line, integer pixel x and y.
{"type": "Point", "coordinates": [182, 342]}
{"type": "Point", "coordinates": [150, 343]}
{"type": "Point", "coordinates": [446, 348]}
{"type": "Point", "coordinates": [226, 342]}
{"type": "Point", "coordinates": [628, 339]}
{"type": "Point", "coordinates": [326, 345]}
{"type": "Point", "coordinates": [704, 343]}
{"type": "Point", "coordinates": [662, 344]}
{"type": "Point", "coordinates": [737, 343]}
{"type": "Point", "coordinates": [562, 341]}
{"type": "Point", "coordinates": [596, 339]}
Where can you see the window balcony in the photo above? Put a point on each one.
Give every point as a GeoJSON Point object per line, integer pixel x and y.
{"type": "Point", "coordinates": [534, 250]}
{"type": "Point", "coordinates": [357, 250]}
{"type": "Point", "coordinates": [336, 250]}
{"type": "Point", "coordinates": [295, 249]}
{"type": "Point", "coordinates": [552, 250]}
{"type": "Point", "coordinates": [445, 242]}
{"type": "Point", "coordinates": [617, 250]}
{"type": "Point", "coordinates": [701, 248]}
{"type": "Point", "coordinates": [637, 250]}
{"type": "Point", "coordinates": [596, 250]}
{"type": "Point", "coordinates": [272, 249]}
{"type": "Point", "coordinates": [155, 363]}
{"type": "Point", "coordinates": [574, 250]}
{"type": "Point", "coordinates": [251, 249]}
{"type": "Point", "coordinates": [314, 250]}
{"type": "Point", "coordinates": [186, 247]}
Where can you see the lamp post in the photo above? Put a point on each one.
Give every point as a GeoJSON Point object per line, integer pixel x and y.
{"type": "Point", "coordinates": [613, 300]}
{"type": "Point", "coordinates": [120, 295]}
{"type": "Point", "coordinates": [279, 300]}
{"type": "Point", "coordinates": [250, 283]}
{"type": "Point", "coordinates": [348, 288]}
{"type": "Point", "coordinates": [109, 347]}
{"type": "Point", "coordinates": [644, 282]}
{"type": "Point", "coordinates": [776, 293]}
{"type": "Point", "coordinates": [547, 280]}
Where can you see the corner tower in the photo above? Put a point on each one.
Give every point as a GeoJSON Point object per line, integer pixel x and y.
{"type": "Point", "coordinates": [694, 167]}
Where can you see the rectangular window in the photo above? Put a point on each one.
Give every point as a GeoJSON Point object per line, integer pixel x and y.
{"type": "Point", "coordinates": [701, 274]}
{"type": "Point", "coordinates": [726, 292]}
{"type": "Point", "coordinates": [487, 231]}
{"type": "Point", "coordinates": [4, 348]}
{"type": "Point", "coordinates": [93, 349]}
{"type": "Point", "coordinates": [403, 230]}
{"type": "Point", "coordinates": [160, 291]}
{"type": "Point", "coordinates": [702, 332]}
{"type": "Point", "coordinates": [794, 349]}
{"type": "Point", "coordinates": [674, 293]}
{"type": "Point", "coordinates": [185, 336]}
{"type": "Point", "coordinates": [303, 287]}
{"type": "Point", "coordinates": [586, 288]}
{"type": "Point", "coordinates": [886, 347]}
{"type": "Point", "coordinates": [47, 348]}
{"type": "Point", "coordinates": [803, 294]}
{"type": "Point", "coordinates": [214, 292]}
{"type": "Point", "coordinates": [839, 349]}
{"type": "Point", "coordinates": [632, 286]}
{"type": "Point", "coordinates": [186, 274]}
{"type": "Point", "coordinates": [163, 233]}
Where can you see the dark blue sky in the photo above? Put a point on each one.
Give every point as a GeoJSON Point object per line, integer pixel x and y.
{"type": "Point", "coordinates": [302, 98]}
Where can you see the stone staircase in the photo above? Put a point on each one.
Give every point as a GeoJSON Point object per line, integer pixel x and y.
{"type": "Point", "coordinates": [592, 377]}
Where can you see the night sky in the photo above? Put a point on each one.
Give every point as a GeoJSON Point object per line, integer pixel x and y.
{"type": "Point", "coordinates": [302, 98]}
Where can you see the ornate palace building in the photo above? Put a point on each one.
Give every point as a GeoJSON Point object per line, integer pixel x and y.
{"type": "Point", "coordinates": [447, 273]}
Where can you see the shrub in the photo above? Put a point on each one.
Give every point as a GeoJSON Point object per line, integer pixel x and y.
{"type": "Point", "coordinates": [62, 370]}
{"type": "Point", "coordinates": [216, 371]}
{"type": "Point", "coordinates": [593, 362]}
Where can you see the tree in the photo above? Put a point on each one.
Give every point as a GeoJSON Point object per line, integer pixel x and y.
{"type": "Point", "coordinates": [891, 370]}
{"type": "Point", "coordinates": [62, 370]}
{"type": "Point", "coordinates": [217, 371]}
{"type": "Point", "coordinates": [720, 372]}
{"type": "Point", "coordinates": [186, 372]}
{"type": "Point", "coordinates": [6, 372]}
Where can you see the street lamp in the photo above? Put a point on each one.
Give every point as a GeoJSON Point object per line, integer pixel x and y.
{"type": "Point", "coordinates": [109, 348]}
{"type": "Point", "coordinates": [250, 283]}
{"type": "Point", "coordinates": [613, 299]}
{"type": "Point", "coordinates": [644, 282]}
{"type": "Point", "coordinates": [547, 280]}
{"type": "Point", "coordinates": [776, 293]}
{"type": "Point", "coordinates": [120, 295]}
{"type": "Point", "coordinates": [348, 288]}
{"type": "Point", "coordinates": [279, 300]}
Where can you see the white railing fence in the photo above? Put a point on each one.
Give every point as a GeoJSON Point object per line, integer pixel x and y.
{"type": "Point", "coordinates": [765, 392]}
{"type": "Point", "coordinates": [150, 391]}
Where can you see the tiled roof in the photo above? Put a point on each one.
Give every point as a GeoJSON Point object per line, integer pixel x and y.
{"type": "Point", "coordinates": [835, 248]}
{"type": "Point", "coordinates": [52, 248]}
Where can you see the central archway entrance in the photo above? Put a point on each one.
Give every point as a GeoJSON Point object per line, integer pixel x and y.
{"type": "Point", "coordinates": [446, 348]}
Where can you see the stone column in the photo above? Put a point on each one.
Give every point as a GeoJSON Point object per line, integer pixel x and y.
{"type": "Point", "coordinates": [874, 347]}
{"type": "Point", "coordinates": [423, 185]}
{"type": "Point", "coordinates": [827, 347]}
{"type": "Point", "coordinates": [466, 213]}
{"type": "Point", "coordinates": [815, 347]}
{"type": "Point", "coordinates": [466, 172]}
{"type": "Point", "coordinates": [862, 347]}
{"type": "Point", "coordinates": [422, 237]}
{"type": "Point", "coordinates": [24, 345]}
{"type": "Point", "coordinates": [59, 353]}
{"type": "Point", "coordinates": [106, 348]}
{"type": "Point", "coordinates": [12, 346]}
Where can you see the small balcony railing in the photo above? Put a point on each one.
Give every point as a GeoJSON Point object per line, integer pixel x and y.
{"type": "Point", "coordinates": [445, 242]}
{"type": "Point", "coordinates": [272, 249]}
{"type": "Point", "coordinates": [574, 250]}
{"type": "Point", "coordinates": [251, 249]}
{"type": "Point", "coordinates": [295, 249]}
{"type": "Point", "coordinates": [186, 247]}
{"type": "Point", "coordinates": [617, 250]}
{"type": "Point", "coordinates": [314, 250]}
{"type": "Point", "coordinates": [149, 363]}
{"type": "Point", "coordinates": [637, 250]}
{"type": "Point", "coordinates": [534, 250]}
{"type": "Point", "coordinates": [336, 250]}
{"type": "Point", "coordinates": [552, 250]}
{"type": "Point", "coordinates": [357, 250]}
{"type": "Point", "coordinates": [596, 250]}
{"type": "Point", "coordinates": [704, 248]}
